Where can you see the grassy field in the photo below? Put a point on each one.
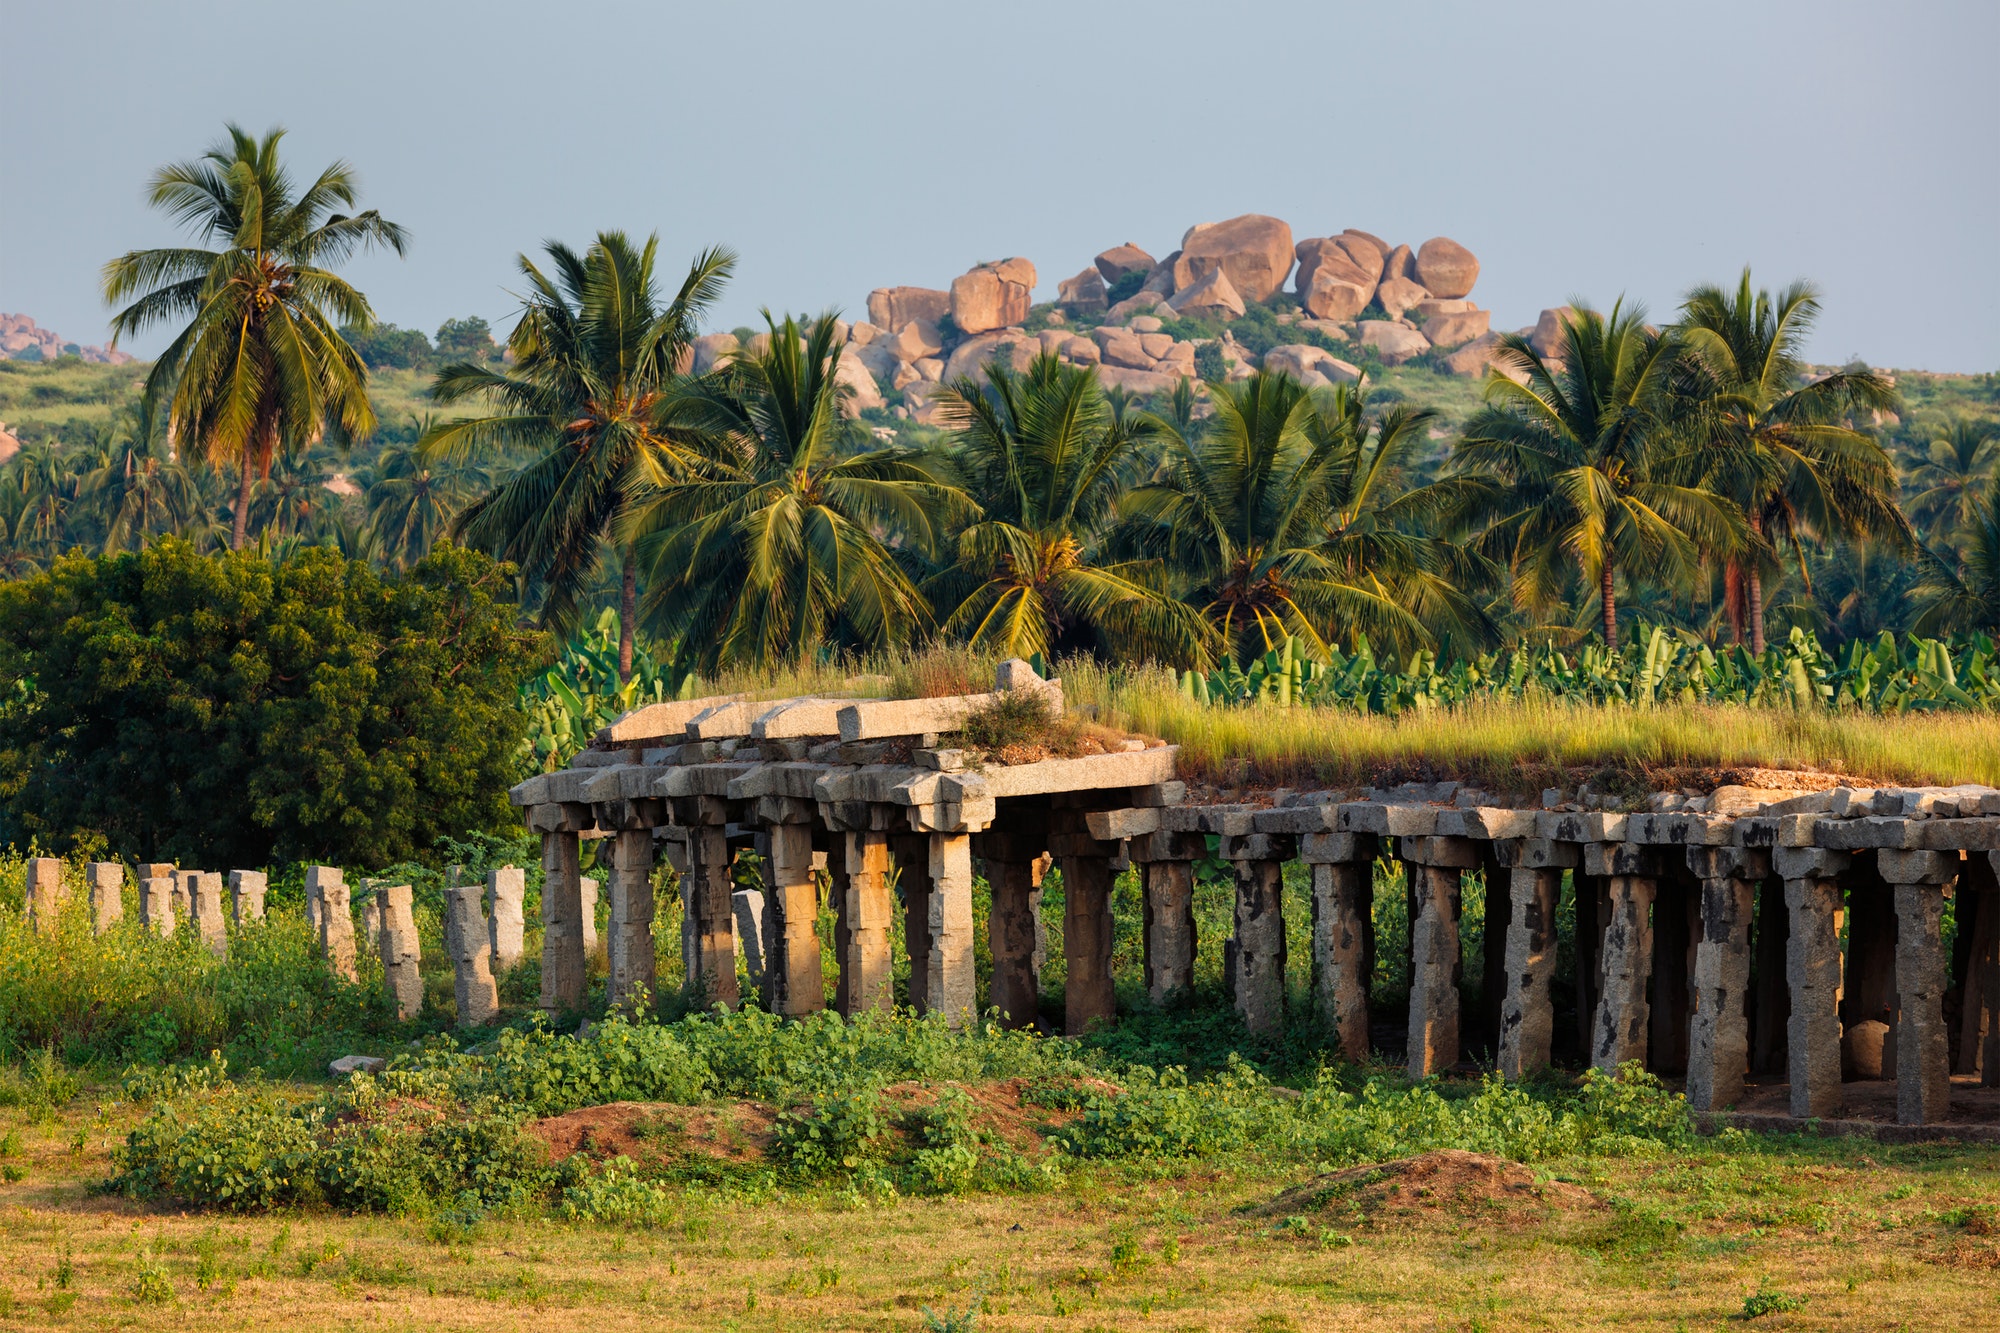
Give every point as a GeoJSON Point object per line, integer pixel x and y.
{"type": "Point", "coordinates": [1819, 1234]}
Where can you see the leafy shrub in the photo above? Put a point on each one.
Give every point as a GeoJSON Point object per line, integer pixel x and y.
{"type": "Point", "coordinates": [947, 1145]}
{"type": "Point", "coordinates": [1166, 1116]}
{"type": "Point", "coordinates": [835, 1131]}
{"type": "Point", "coordinates": [616, 1192]}
{"type": "Point", "coordinates": [1765, 1301]}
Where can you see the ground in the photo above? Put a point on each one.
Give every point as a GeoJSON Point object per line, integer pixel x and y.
{"type": "Point", "coordinates": [1819, 1233]}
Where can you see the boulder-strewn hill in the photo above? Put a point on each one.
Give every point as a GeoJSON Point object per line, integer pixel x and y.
{"type": "Point", "coordinates": [21, 339]}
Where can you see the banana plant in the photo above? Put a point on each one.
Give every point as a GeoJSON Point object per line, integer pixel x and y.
{"type": "Point", "coordinates": [568, 703]}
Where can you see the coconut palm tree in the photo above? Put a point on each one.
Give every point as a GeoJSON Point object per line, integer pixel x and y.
{"type": "Point", "coordinates": [258, 367]}
{"type": "Point", "coordinates": [777, 543]}
{"type": "Point", "coordinates": [1778, 445]}
{"type": "Point", "coordinates": [1953, 474]}
{"type": "Point", "coordinates": [594, 388]}
{"type": "Point", "coordinates": [140, 490]}
{"type": "Point", "coordinates": [411, 504]}
{"type": "Point", "coordinates": [1046, 459]}
{"type": "Point", "coordinates": [1961, 591]}
{"type": "Point", "coordinates": [45, 491]}
{"type": "Point", "coordinates": [1568, 469]}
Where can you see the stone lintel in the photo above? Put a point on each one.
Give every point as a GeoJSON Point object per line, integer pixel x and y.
{"type": "Point", "coordinates": [629, 814]}
{"type": "Point", "coordinates": [795, 778]}
{"type": "Point", "coordinates": [1157, 794]}
{"type": "Point", "coordinates": [701, 779]}
{"type": "Point", "coordinates": [863, 817]}
{"type": "Point", "coordinates": [972, 815]}
{"type": "Point", "coordinates": [1487, 822]}
{"type": "Point", "coordinates": [1581, 826]}
{"type": "Point", "coordinates": [621, 782]}
{"type": "Point", "coordinates": [1708, 862]}
{"type": "Point", "coordinates": [1620, 858]}
{"type": "Point", "coordinates": [566, 817]}
{"type": "Point", "coordinates": [1092, 772]}
{"type": "Point", "coordinates": [1338, 848]}
{"type": "Point", "coordinates": [1384, 820]}
{"type": "Point", "coordinates": [533, 791]}
{"type": "Point", "coordinates": [878, 718]}
{"type": "Point", "coordinates": [1445, 853]}
{"type": "Point", "coordinates": [1902, 867]}
{"type": "Point", "coordinates": [1166, 845]}
{"type": "Point", "coordinates": [1230, 820]}
{"type": "Point", "coordinates": [1126, 823]}
{"type": "Point", "coordinates": [1297, 820]}
{"type": "Point", "coordinates": [699, 811]}
{"type": "Point", "coordinates": [785, 810]}
{"type": "Point", "coordinates": [1872, 831]}
{"type": "Point", "coordinates": [805, 717]}
{"type": "Point", "coordinates": [1537, 853]}
{"type": "Point", "coordinates": [1259, 847]}
{"type": "Point", "coordinates": [1808, 862]}
{"type": "Point", "coordinates": [1967, 835]}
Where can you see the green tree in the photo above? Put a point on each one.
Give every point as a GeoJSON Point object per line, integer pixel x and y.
{"type": "Point", "coordinates": [411, 504]}
{"type": "Point", "coordinates": [140, 490]}
{"type": "Point", "coordinates": [469, 339]}
{"type": "Point", "coordinates": [1046, 459]}
{"type": "Point", "coordinates": [1955, 470]}
{"type": "Point", "coordinates": [258, 366]}
{"type": "Point", "coordinates": [595, 387]}
{"type": "Point", "coordinates": [1568, 474]}
{"type": "Point", "coordinates": [777, 543]}
{"type": "Point", "coordinates": [386, 347]}
{"type": "Point", "coordinates": [1779, 446]}
{"type": "Point", "coordinates": [231, 709]}
{"type": "Point", "coordinates": [1960, 590]}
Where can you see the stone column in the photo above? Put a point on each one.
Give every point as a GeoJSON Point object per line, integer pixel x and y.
{"type": "Point", "coordinates": [630, 955]}
{"type": "Point", "coordinates": [1434, 866]}
{"type": "Point", "coordinates": [1527, 1010]}
{"type": "Point", "coordinates": [912, 856]}
{"type": "Point", "coordinates": [401, 954]}
{"type": "Point", "coordinates": [1816, 906]}
{"type": "Point", "coordinates": [45, 893]}
{"type": "Point", "coordinates": [1258, 860]}
{"type": "Point", "coordinates": [586, 894]}
{"type": "Point", "coordinates": [317, 878]}
{"type": "Point", "coordinates": [336, 927]}
{"type": "Point", "coordinates": [107, 894]}
{"type": "Point", "coordinates": [184, 881]}
{"type": "Point", "coordinates": [371, 920]}
{"type": "Point", "coordinates": [470, 942]}
{"type": "Point", "coordinates": [747, 910]}
{"type": "Point", "coordinates": [1921, 881]}
{"type": "Point", "coordinates": [1619, 1030]}
{"type": "Point", "coordinates": [1343, 926]}
{"type": "Point", "coordinates": [708, 898]}
{"type": "Point", "coordinates": [951, 987]}
{"type": "Point", "coordinates": [1719, 1027]}
{"type": "Point", "coordinates": [1011, 924]}
{"type": "Point", "coordinates": [209, 920]}
{"type": "Point", "coordinates": [563, 976]}
{"type": "Point", "coordinates": [506, 888]}
{"type": "Point", "coordinates": [156, 905]}
{"type": "Point", "coordinates": [1088, 996]}
{"type": "Point", "coordinates": [794, 982]}
{"type": "Point", "coordinates": [247, 889]}
{"type": "Point", "coordinates": [866, 910]}
{"type": "Point", "coordinates": [1167, 886]}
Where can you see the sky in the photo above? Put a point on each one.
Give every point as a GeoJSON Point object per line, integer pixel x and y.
{"type": "Point", "coordinates": [1580, 150]}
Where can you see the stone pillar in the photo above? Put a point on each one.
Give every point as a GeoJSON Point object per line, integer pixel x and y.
{"type": "Point", "coordinates": [156, 905]}
{"type": "Point", "coordinates": [470, 943]}
{"type": "Point", "coordinates": [371, 920]}
{"type": "Point", "coordinates": [45, 893]}
{"type": "Point", "coordinates": [951, 987]}
{"type": "Point", "coordinates": [184, 881]}
{"type": "Point", "coordinates": [1011, 924]}
{"type": "Point", "coordinates": [747, 909]}
{"type": "Point", "coordinates": [1343, 921]}
{"type": "Point", "coordinates": [1527, 1009]}
{"type": "Point", "coordinates": [1619, 1031]}
{"type": "Point", "coordinates": [563, 975]}
{"type": "Point", "coordinates": [1815, 906]}
{"type": "Point", "coordinates": [586, 894]}
{"type": "Point", "coordinates": [336, 926]}
{"type": "Point", "coordinates": [209, 921]}
{"type": "Point", "coordinates": [1921, 881]}
{"type": "Point", "coordinates": [794, 982]}
{"type": "Point", "coordinates": [1088, 996]}
{"type": "Point", "coordinates": [912, 856]}
{"type": "Point", "coordinates": [1434, 866]}
{"type": "Point", "coordinates": [1719, 1027]}
{"type": "Point", "coordinates": [317, 878]}
{"type": "Point", "coordinates": [506, 888]}
{"type": "Point", "coordinates": [630, 954]}
{"type": "Point", "coordinates": [1167, 886]}
{"type": "Point", "coordinates": [1258, 860]}
{"type": "Point", "coordinates": [866, 910]}
{"type": "Point", "coordinates": [107, 894]}
{"type": "Point", "coordinates": [401, 954]}
{"type": "Point", "coordinates": [247, 889]}
{"type": "Point", "coordinates": [708, 898]}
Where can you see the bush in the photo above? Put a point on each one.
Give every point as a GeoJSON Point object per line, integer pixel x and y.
{"type": "Point", "coordinates": [836, 1131]}
{"type": "Point", "coordinates": [230, 709]}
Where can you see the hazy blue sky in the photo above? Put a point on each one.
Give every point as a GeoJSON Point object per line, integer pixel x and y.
{"type": "Point", "coordinates": [1586, 148]}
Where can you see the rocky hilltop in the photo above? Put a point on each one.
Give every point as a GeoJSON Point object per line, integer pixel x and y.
{"type": "Point", "coordinates": [1142, 321]}
{"type": "Point", "coordinates": [21, 339]}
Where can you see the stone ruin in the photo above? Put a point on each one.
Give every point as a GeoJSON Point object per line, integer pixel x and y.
{"type": "Point", "coordinates": [1773, 932]}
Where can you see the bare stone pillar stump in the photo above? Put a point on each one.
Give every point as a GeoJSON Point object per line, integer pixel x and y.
{"type": "Point", "coordinates": [470, 944]}
{"type": "Point", "coordinates": [401, 952]}
{"type": "Point", "coordinates": [209, 920]}
{"type": "Point", "coordinates": [1816, 905]}
{"type": "Point", "coordinates": [506, 889]}
{"type": "Point", "coordinates": [371, 920]}
{"type": "Point", "coordinates": [1719, 1030]}
{"type": "Point", "coordinates": [317, 878]}
{"type": "Point", "coordinates": [1619, 1030]}
{"type": "Point", "coordinates": [586, 893]}
{"type": "Point", "coordinates": [156, 905]}
{"type": "Point", "coordinates": [1921, 881]}
{"type": "Point", "coordinates": [107, 894]}
{"type": "Point", "coordinates": [563, 975]}
{"type": "Point", "coordinates": [630, 956]}
{"type": "Point", "coordinates": [1343, 927]}
{"type": "Point", "coordinates": [184, 882]}
{"type": "Point", "coordinates": [1011, 924]}
{"type": "Point", "coordinates": [247, 890]}
{"type": "Point", "coordinates": [1527, 1010]}
{"type": "Point", "coordinates": [866, 909]}
{"type": "Point", "coordinates": [1434, 866]}
{"type": "Point", "coordinates": [45, 893]}
{"type": "Point", "coordinates": [794, 982]}
{"type": "Point", "coordinates": [951, 987]}
{"type": "Point", "coordinates": [1258, 860]}
{"type": "Point", "coordinates": [1088, 996]}
{"type": "Point", "coordinates": [336, 926]}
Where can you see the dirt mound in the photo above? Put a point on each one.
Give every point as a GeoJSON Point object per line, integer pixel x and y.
{"type": "Point", "coordinates": [1448, 1181]}
{"type": "Point", "coordinates": [1004, 1112]}
{"type": "Point", "coordinates": [735, 1133]}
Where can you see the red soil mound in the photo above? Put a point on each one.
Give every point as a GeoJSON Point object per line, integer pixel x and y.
{"type": "Point", "coordinates": [1444, 1182]}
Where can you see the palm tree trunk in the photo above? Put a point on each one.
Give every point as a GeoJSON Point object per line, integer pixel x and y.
{"type": "Point", "coordinates": [240, 533]}
{"type": "Point", "coordinates": [1610, 610]}
{"type": "Point", "coordinates": [1756, 592]}
{"type": "Point", "coordinates": [628, 610]}
{"type": "Point", "coordinates": [1732, 599]}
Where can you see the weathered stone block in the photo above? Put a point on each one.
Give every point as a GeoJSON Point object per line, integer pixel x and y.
{"type": "Point", "coordinates": [1327, 848]}
{"type": "Point", "coordinates": [247, 890]}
